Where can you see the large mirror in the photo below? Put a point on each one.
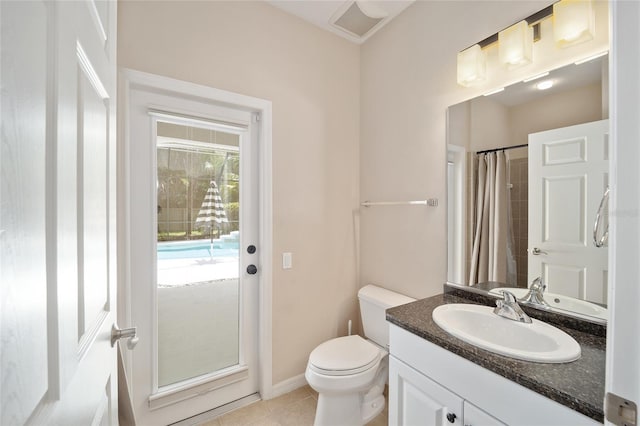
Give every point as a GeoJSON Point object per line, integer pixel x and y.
{"type": "Point", "coordinates": [527, 171]}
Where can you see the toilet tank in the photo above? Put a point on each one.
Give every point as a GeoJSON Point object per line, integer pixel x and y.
{"type": "Point", "coordinates": [374, 301]}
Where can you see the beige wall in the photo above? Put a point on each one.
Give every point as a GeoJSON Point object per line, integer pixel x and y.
{"type": "Point", "coordinates": [581, 105]}
{"type": "Point", "coordinates": [490, 124]}
{"type": "Point", "coordinates": [408, 81]}
{"type": "Point", "coordinates": [482, 123]}
{"type": "Point", "coordinates": [313, 79]}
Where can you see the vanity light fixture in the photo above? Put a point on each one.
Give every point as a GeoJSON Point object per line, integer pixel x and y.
{"type": "Point", "coordinates": [573, 22]}
{"type": "Point", "coordinates": [515, 45]}
{"type": "Point", "coordinates": [535, 77]}
{"type": "Point", "coordinates": [471, 66]}
{"type": "Point", "coordinates": [472, 62]}
{"type": "Point", "coordinates": [544, 85]}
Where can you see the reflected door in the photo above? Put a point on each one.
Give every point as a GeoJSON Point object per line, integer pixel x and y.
{"type": "Point", "coordinates": [193, 205]}
{"type": "Point", "coordinates": [568, 174]}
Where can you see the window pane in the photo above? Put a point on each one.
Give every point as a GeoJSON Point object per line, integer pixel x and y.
{"type": "Point", "coordinates": [198, 251]}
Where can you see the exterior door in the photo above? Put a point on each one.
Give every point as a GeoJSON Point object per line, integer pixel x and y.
{"type": "Point", "coordinates": [568, 175]}
{"type": "Point", "coordinates": [57, 237]}
{"type": "Point", "coordinates": [192, 243]}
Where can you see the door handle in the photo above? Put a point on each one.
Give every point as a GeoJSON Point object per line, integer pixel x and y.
{"type": "Point", "coordinates": [602, 241]}
{"type": "Point", "coordinates": [537, 252]}
{"type": "Point", "coordinates": [124, 333]}
{"type": "Point", "coordinates": [252, 269]}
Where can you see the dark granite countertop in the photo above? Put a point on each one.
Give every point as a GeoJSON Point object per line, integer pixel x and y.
{"type": "Point", "coordinates": [578, 385]}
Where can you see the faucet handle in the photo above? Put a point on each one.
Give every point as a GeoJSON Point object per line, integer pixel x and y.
{"type": "Point", "coordinates": [509, 308]}
{"type": "Point", "coordinates": [508, 296]}
{"type": "Point", "coordinates": [538, 285]}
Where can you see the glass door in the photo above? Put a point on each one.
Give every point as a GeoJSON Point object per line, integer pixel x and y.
{"type": "Point", "coordinates": [192, 232]}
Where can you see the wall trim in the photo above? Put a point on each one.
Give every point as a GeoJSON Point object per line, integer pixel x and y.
{"type": "Point", "coordinates": [288, 385]}
{"type": "Point", "coordinates": [263, 107]}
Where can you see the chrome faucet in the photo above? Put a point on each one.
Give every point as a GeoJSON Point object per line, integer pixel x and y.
{"type": "Point", "coordinates": [534, 296]}
{"type": "Point", "coordinates": [508, 308]}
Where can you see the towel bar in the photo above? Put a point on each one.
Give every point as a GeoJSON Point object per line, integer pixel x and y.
{"type": "Point", "coordinates": [431, 202]}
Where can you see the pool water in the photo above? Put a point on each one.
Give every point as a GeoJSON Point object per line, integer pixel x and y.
{"type": "Point", "coordinates": [196, 249]}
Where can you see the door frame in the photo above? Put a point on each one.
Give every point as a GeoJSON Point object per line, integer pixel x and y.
{"type": "Point", "coordinates": [456, 223]}
{"type": "Point", "coordinates": [623, 347]}
{"type": "Point", "coordinates": [127, 79]}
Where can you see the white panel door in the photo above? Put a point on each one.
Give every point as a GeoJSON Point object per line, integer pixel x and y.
{"type": "Point", "coordinates": [57, 237]}
{"type": "Point", "coordinates": [414, 399]}
{"type": "Point", "coordinates": [568, 174]}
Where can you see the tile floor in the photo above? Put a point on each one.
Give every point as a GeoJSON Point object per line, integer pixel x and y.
{"type": "Point", "coordinates": [297, 408]}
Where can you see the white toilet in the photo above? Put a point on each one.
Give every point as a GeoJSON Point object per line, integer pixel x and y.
{"type": "Point", "coordinates": [349, 373]}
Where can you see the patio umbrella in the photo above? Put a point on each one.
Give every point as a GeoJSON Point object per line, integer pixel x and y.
{"type": "Point", "coordinates": [212, 211]}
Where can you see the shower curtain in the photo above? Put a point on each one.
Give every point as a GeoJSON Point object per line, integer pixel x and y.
{"type": "Point", "coordinates": [493, 257]}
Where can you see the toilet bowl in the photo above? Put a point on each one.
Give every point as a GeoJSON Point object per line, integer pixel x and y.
{"type": "Point", "coordinates": [350, 373]}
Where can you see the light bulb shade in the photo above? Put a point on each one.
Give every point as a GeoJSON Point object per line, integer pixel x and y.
{"type": "Point", "coordinates": [515, 45]}
{"type": "Point", "coordinates": [573, 22]}
{"type": "Point", "coordinates": [472, 68]}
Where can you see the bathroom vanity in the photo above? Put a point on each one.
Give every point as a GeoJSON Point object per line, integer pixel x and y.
{"type": "Point", "coordinates": [435, 378]}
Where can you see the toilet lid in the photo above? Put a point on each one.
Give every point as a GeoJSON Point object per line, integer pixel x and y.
{"type": "Point", "coordinates": [344, 355]}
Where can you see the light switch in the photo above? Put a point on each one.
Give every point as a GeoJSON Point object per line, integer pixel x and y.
{"type": "Point", "coordinates": [287, 261]}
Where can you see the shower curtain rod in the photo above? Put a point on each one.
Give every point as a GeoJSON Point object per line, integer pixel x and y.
{"type": "Point", "coordinates": [502, 149]}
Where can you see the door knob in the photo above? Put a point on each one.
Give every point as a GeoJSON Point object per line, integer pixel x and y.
{"type": "Point", "coordinates": [125, 333]}
{"type": "Point", "coordinates": [451, 417]}
{"type": "Point", "coordinates": [537, 252]}
{"type": "Point", "coordinates": [251, 269]}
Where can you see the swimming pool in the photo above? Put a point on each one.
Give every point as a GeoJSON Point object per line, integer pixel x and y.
{"type": "Point", "coordinates": [196, 249]}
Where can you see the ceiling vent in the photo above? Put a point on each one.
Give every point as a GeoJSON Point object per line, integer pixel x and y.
{"type": "Point", "coordinates": [359, 18]}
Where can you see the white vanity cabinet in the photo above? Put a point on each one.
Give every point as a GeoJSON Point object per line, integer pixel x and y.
{"type": "Point", "coordinates": [418, 400]}
{"type": "Point", "coordinates": [428, 385]}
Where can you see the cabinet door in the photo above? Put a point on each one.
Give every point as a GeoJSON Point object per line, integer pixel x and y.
{"type": "Point", "coordinates": [473, 416]}
{"type": "Point", "coordinates": [416, 400]}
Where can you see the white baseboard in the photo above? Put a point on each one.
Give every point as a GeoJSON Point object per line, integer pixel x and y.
{"type": "Point", "coordinates": [288, 385]}
{"type": "Point", "coordinates": [217, 412]}
{"type": "Point", "coordinates": [278, 389]}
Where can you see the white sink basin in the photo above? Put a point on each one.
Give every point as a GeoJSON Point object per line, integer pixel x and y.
{"type": "Point", "coordinates": [558, 301]}
{"type": "Point", "coordinates": [479, 326]}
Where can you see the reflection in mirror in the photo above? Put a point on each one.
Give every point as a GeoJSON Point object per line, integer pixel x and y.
{"type": "Point", "coordinates": [527, 168]}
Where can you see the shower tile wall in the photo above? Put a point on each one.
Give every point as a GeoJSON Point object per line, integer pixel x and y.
{"type": "Point", "coordinates": [519, 211]}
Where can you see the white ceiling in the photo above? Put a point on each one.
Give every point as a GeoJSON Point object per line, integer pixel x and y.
{"type": "Point", "coordinates": [321, 12]}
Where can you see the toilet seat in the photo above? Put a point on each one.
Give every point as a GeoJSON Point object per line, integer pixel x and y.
{"type": "Point", "coordinates": [344, 356]}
